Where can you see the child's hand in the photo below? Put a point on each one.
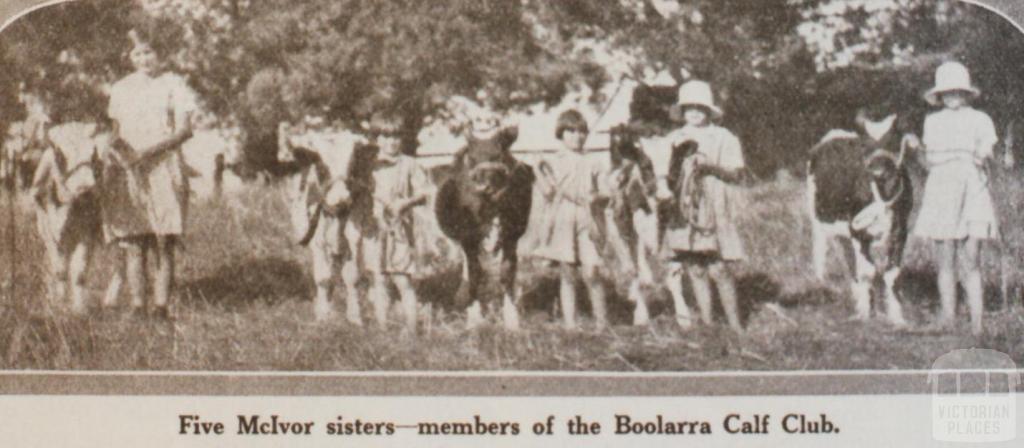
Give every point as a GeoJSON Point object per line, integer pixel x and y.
{"type": "Point", "coordinates": [705, 170]}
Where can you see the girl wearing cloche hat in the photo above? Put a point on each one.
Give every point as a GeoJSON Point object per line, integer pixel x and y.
{"type": "Point", "coordinates": [699, 205]}
{"type": "Point", "coordinates": [957, 211]}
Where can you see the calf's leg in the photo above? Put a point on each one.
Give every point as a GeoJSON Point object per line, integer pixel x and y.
{"type": "Point", "coordinates": [892, 303]}
{"type": "Point", "coordinates": [509, 262]}
{"type": "Point", "coordinates": [819, 236]}
{"type": "Point", "coordinates": [864, 275]}
{"type": "Point", "coordinates": [469, 291]}
{"type": "Point", "coordinates": [116, 280]}
{"type": "Point", "coordinates": [78, 266]}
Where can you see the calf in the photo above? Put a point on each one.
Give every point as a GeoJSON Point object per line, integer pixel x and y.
{"type": "Point", "coordinates": [487, 197]}
{"type": "Point", "coordinates": [633, 230]}
{"type": "Point", "coordinates": [67, 208]}
{"type": "Point", "coordinates": [859, 189]}
{"type": "Point", "coordinates": [332, 174]}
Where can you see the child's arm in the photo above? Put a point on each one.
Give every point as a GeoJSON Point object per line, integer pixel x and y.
{"type": "Point", "coordinates": [420, 188]}
{"type": "Point", "coordinates": [170, 143]}
{"type": "Point", "coordinates": [730, 167]}
{"type": "Point", "coordinates": [731, 176]}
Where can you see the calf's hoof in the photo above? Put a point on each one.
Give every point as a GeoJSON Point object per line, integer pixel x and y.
{"type": "Point", "coordinates": [641, 316]}
{"type": "Point", "coordinates": [684, 322]}
{"type": "Point", "coordinates": [510, 315]}
{"type": "Point", "coordinates": [79, 309]}
{"type": "Point", "coordinates": [474, 316]}
{"type": "Point", "coordinates": [161, 313]}
{"type": "Point", "coordinates": [897, 321]}
{"type": "Point", "coordinates": [354, 319]}
{"type": "Point", "coordinates": [323, 312]}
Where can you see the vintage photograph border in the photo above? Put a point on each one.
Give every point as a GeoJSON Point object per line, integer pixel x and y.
{"type": "Point", "coordinates": [468, 383]}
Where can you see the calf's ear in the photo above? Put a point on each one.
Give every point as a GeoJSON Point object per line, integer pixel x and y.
{"type": "Point", "coordinates": [507, 137]}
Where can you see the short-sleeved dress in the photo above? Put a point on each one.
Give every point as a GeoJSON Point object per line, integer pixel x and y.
{"type": "Point", "coordinates": [567, 229]}
{"type": "Point", "coordinates": [385, 244]}
{"type": "Point", "coordinates": [957, 202]}
{"type": "Point", "coordinates": [719, 147]}
{"type": "Point", "coordinates": [150, 198]}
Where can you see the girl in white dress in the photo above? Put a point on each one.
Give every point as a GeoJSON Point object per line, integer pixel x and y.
{"type": "Point", "coordinates": [957, 211]}
{"type": "Point", "coordinates": [701, 235]}
{"type": "Point", "coordinates": [146, 192]}
{"type": "Point", "coordinates": [570, 185]}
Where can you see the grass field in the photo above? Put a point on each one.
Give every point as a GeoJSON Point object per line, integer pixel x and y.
{"type": "Point", "coordinates": [244, 304]}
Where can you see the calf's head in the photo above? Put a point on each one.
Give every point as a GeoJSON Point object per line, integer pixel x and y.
{"type": "Point", "coordinates": [487, 163]}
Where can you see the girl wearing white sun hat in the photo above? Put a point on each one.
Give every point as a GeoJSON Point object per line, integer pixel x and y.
{"type": "Point", "coordinates": [957, 210]}
{"type": "Point", "coordinates": [700, 204]}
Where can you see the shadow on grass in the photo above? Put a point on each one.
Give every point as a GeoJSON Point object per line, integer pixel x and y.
{"type": "Point", "coordinates": [241, 283]}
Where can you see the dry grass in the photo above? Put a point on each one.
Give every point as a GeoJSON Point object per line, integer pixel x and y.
{"type": "Point", "coordinates": [244, 304]}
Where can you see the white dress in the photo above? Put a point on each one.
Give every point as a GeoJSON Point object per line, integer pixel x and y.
{"type": "Point", "coordinates": [957, 202]}
{"type": "Point", "coordinates": [719, 147]}
{"type": "Point", "coordinates": [152, 197]}
{"type": "Point", "coordinates": [568, 226]}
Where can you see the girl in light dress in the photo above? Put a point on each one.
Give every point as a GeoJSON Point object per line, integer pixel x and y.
{"type": "Point", "coordinates": [701, 237]}
{"type": "Point", "coordinates": [957, 212]}
{"type": "Point", "coordinates": [570, 184]}
{"type": "Point", "coordinates": [146, 193]}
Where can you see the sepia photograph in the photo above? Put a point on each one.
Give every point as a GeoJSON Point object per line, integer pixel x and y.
{"type": "Point", "coordinates": [589, 186]}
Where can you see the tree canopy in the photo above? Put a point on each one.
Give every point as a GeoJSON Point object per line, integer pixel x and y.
{"type": "Point", "coordinates": [785, 70]}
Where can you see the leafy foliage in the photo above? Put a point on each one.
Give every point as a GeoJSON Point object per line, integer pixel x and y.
{"type": "Point", "coordinates": [785, 70]}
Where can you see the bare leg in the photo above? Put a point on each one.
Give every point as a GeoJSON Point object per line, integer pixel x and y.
{"type": "Point", "coordinates": [567, 294]}
{"type": "Point", "coordinates": [379, 296]}
{"type": "Point", "coordinates": [57, 285]}
{"type": "Point", "coordinates": [323, 277]}
{"type": "Point", "coordinates": [946, 256]}
{"type": "Point", "coordinates": [970, 251]}
{"type": "Point", "coordinates": [164, 281]}
{"type": "Point", "coordinates": [701, 289]}
{"type": "Point", "coordinates": [350, 276]}
{"type": "Point", "coordinates": [641, 316]}
{"type": "Point", "coordinates": [722, 276]}
{"type": "Point", "coordinates": [408, 294]}
{"type": "Point", "coordinates": [135, 269]}
{"type": "Point", "coordinates": [598, 303]}
{"type": "Point", "coordinates": [674, 283]}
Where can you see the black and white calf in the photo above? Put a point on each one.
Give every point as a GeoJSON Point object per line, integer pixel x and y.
{"type": "Point", "coordinates": [860, 190]}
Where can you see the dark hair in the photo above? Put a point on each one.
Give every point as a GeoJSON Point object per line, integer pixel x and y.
{"type": "Point", "coordinates": [570, 119]}
{"type": "Point", "coordinates": [707, 110]}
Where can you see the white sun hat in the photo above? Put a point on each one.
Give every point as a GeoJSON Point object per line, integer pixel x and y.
{"type": "Point", "coordinates": [698, 93]}
{"type": "Point", "coordinates": [950, 76]}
